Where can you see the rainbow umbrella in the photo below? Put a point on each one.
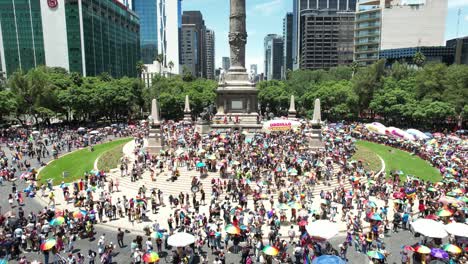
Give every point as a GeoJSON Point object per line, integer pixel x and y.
{"type": "Point", "coordinates": [283, 206]}
{"type": "Point", "coordinates": [150, 257]}
{"type": "Point", "coordinates": [444, 212]}
{"type": "Point", "coordinates": [375, 217]}
{"type": "Point", "coordinates": [431, 189]}
{"type": "Point", "coordinates": [156, 235]}
{"type": "Point", "coordinates": [79, 214]}
{"type": "Point", "coordinates": [295, 205]}
{"type": "Point", "coordinates": [452, 249]}
{"type": "Point", "coordinates": [371, 204]}
{"type": "Point", "coordinates": [439, 253]}
{"type": "Point", "coordinates": [270, 250]}
{"type": "Point", "coordinates": [57, 221]}
{"type": "Point", "coordinates": [48, 244]}
{"type": "Point", "coordinates": [375, 255]}
{"type": "Point", "coordinates": [232, 229]}
{"type": "Point", "coordinates": [422, 249]}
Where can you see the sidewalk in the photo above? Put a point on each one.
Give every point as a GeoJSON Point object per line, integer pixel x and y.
{"type": "Point", "coordinates": [183, 184]}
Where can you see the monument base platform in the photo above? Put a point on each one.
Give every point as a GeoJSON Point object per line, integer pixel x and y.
{"type": "Point", "coordinates": [154, 142]}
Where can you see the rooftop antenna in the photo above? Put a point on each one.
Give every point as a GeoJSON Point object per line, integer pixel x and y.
{"type": "Point", "coordinates": [458, 22]}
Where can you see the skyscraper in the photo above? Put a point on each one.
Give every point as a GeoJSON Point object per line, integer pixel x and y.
{"type": "Point", "coordinates": [288, 41]}
{"type": "Point", "coordinates": [226, 63]}
{"type": "Point", "coordinates": [254, 69]}
{"type": "Point", "coordinates": [210, 54]}
{"type": "Point", "coordinates": [323, 31]}
{"type": "Point", "coordinates": [148, 14]}
{"type": "Point", "coordinates": [189, 49]}
{"type": "Point", "coordinates": [89, 37]}
{"type": "Point", "coordinates": [273, 56]}
{"type": "Point", "coordinates": [194, 21]}
{"type": "Point", "coordinates": [385, 25]}
{"type": "Point", "coordinates": [169, 29]}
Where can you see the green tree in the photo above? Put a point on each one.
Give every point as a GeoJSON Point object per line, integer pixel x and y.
{"type": "Point", "coordinates": [160, 59]}
{"type": "Point", "coordinates": [140, 68]}
{"type": "Point", "coordinates": [419, 59]}
{"type": "Point", "coordinates": [170, 65]}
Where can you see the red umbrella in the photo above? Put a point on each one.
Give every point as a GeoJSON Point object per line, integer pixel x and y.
{"type": "Point", "coordinates": [399, 195]}
{"type": "Point", "coordinates": [302, 223]}
{"type": "Point", "coordinates": [432, 217]}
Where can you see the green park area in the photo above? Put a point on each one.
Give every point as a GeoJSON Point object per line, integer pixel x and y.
{"type": "Point", "coordinates": [396, 160]}
{"type": "Point", "coordinates": [78, 162]}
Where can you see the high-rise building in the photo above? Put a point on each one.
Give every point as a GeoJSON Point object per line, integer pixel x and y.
{"type": "Point", "coordinates": [394, 24]}
{"type": "Point", "coordinates": [288, 41]}
{"type": "Point", "coordinates": [189, 49]}
{"type": "Point", "coordinates": [169, 29]}
{"type": "Point", "coordinates": [273, 56]}
{"type": "Point", "coordinates": [226, 61]}
{"type": "Point", "coordinates": [323, 31]}
{"type": "Point", "coordinates": [194, 21]}
{"type": "Point", "coordinates": [89, 37]}
{"type": "Point", "coordinates": [461, 49]}
{"type": "Point", "coordinates": [148, 14]}
{"type": "Point", "coordinates": [210, 54]}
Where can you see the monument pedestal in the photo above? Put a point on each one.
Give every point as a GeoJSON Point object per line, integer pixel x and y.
{"type": "Point", "coordinates": [155, 141]}
{"type": "Point", "coordinates": [236, 103]}
{"type": "Point", "coordinates": [315, 142]}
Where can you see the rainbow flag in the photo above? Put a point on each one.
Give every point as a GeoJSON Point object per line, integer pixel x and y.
{"type": "Point", "coordinates": [307, 259]}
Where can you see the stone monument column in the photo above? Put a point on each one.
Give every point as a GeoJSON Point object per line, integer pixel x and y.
{"type": "Point", "coordinates": [155, 139]}
{"type": "Point", "coordinates": [237, 35]}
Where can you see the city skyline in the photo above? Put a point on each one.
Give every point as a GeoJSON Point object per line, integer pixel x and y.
{"type": "Point", "coordinates": [266, 17]}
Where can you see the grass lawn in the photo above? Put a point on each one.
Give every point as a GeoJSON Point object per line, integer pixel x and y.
{"type": "Point", "coordinates": [77, 163]}
{"type": "Point", "coordinates": [111, 158]}
{"type": "Point", "coordinates": [370, 160]}
{"type": "Point", "coordinates": [396, 159]}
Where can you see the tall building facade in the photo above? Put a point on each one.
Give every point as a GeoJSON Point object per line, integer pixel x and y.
{"type": "Point", "coordinates": [169, 14]}
{"type": "Point", "coordinates": [395, 24]}
{"type": "Point", "coordinates": [210, 54]}
{"type": "Point", "coordinates": [460, 45]}
{"type": "Point", "coordinates": [89, 37]}
{"type": "Point", "coordinates": [273, 56]}
{"type": "Point", "coordinates": [226, 61]}
{"type": "Point", "coordinates": [254, 69]}
{"type": "Point", "coordinates": [288, 41]}
{"type": "Point", "coordinates": [194, 21]}
{"type": "Point", "coordinates": [323, 31]}
{"type": "Point", "coordinates": [189, 49]}
{"type": "Point", "coordinates": [148, 14]}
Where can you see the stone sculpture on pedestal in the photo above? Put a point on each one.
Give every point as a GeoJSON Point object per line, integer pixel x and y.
{"type": "Point", "coordinates": [316, 131]}
{"type": "Point", "coordinates": [292, 109]}
{"type": "Point", "coordinates": [156, 138]}
{"type": "Point", "coordinates": [187, 111]}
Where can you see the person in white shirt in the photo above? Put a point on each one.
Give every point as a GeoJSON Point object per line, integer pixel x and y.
{"type": "Point", "coordinates": [149, 245]}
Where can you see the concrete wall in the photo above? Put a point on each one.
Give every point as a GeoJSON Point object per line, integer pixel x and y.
{"type": "Point", "coordinates": [412, 26]}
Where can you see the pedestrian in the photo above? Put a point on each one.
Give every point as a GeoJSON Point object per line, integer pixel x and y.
{"type": "Point", "coordinates": [120, 237]}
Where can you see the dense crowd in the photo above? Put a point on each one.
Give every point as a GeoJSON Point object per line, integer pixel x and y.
{"type": "Point", "coordinates": [260, 206]}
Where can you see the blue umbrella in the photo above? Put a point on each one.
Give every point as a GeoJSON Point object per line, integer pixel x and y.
{"type": "Point", "coordinates": [201, 164]}
{"type": "Point", "coordinates": [328, 259]}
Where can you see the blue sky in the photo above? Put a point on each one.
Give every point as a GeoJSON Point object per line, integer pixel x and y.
{"type": "Point", "coordinates": [266, 16]}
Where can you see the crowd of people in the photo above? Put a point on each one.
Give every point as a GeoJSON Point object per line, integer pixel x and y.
{"type": "Point", "coordinates": [259, 205]}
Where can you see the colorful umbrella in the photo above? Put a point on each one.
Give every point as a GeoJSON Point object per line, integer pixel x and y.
{"type": "Point", "coordinates": [439, 253]}
{"type": "Point", "coordinates": [48, 244]}
{"type": "Point", "coordinates": [156, 235]}
{"type": "Point", "coordinates": [371, 204]}
{"type": "Point", "coordinates": [375, 255]}
{"type": "Point", "coordinates": [302, 223]}
{"type": "Point", "coordinates": [375, 217]}
{"type": "Point", "coordinates": [452, 249]}
{"type": "Point", "coordinates": [432, 217]}
{"type": "Point", "coordinates": [328, 259]}
{"type": "Point", "coordinates": [399, 195]}
{"type": "Point", "coordinates": [79, 214]}
{"type": "Point", "coordinates": [232, 229]}
{"type": "Point", "coordinates": [422, 249]}
{"type": "Point", "coordinates": [201, 164]}
{"type": "Point", "coordinates": [150, 257]}
{"type": "Point", "coordinates": [283, 206]}
{"type": "Point", "coordinates": [444, 212]}
{"type": "Point", "coordinates": [295, 205]}
{"type": "Point", "coordinates": [270, 250]}
{"type": "Point", "coordinates": [432, 189]}
{"type": "Point", "coordinates": [57, 221]}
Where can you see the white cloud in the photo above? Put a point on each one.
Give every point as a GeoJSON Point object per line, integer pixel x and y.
{"type": "Point", "coordinates": [457, 3]}
{"type": "Point", "coordinates": [268, 8]}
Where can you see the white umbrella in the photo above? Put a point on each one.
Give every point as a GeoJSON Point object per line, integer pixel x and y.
{"type": "Point", "coordinates": [457, 229]}
{"type": "Point", "coordinates": [94, 132]}
{"type": "Point", "coordinates": [81, 129]}
{"type": "Point", "coordinates": [181, 239]}
{"type": "Point", "coordinates": [429, 228]}
{"type": "Point", "coordinates": [35, 132]}
{"type": "Point", "coordinates": [322, 229]}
